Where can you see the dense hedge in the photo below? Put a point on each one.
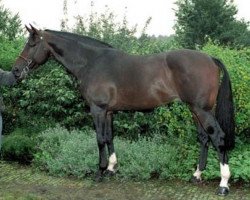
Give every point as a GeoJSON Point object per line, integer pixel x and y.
{"type": "Point", "coordinates": [49, 93]}
{"type": "Point", "coordinates": [9, 50]}
{"type": "Point", "coordinates": [64, 153]}
{"type": "Point", "coordinates": [238, 65]}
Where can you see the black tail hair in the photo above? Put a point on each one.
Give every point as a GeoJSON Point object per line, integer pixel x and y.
{"type": "Point", "coordinates": [224, 111]}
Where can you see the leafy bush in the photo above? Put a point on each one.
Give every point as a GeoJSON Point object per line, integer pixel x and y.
{"type": "Point", "coordinates": [49, 93]}
{"type": "Point", "coordinates": [9, 50]}
{"type": "Point", "coordinates": [155, 157]}
{"type": "Point", "coordinates": [65, 153]}
{"type": "Point", "coordinates": [172, 120]}
{"type": "Point", "coordinates": [75, 153]}
{"type": "Point", "coordinates": [18, 146]}
{"type": "Point", "coordinates": [237, 63]}
{"type": "Point", "coordinates": [238, 161]}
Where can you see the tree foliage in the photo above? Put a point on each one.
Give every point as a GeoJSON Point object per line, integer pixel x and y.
{"type": "Point", "coordinates": [10, 25]}
{"type": "Point", "coordinates": [201, 20]}
{"type": "Point", "coordinates": [119, 33]}
{"type": "Point", "coordinates": [9, 50]}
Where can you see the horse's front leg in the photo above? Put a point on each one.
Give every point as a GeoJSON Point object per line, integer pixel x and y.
{"type": "Point", "coordinates": [99, 116]}
{"type": "Point", "coordinates": [110, 144]}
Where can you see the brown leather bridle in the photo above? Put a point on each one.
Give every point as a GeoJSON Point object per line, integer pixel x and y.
{"type": "Point", "coordinates": [28, 61]}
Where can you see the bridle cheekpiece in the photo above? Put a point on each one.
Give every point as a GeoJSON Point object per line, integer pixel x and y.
{"type": "Point", "coordinates": [28, 61]}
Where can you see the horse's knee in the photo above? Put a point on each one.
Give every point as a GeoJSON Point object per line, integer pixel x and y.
{"type": "Point", "coordinates": [101, 141]}
{"type": "Point", "coordinates": [103, 163]}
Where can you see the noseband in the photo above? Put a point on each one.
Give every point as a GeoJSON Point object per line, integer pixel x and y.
{"type": "Point", "coordinates": [28, 61]}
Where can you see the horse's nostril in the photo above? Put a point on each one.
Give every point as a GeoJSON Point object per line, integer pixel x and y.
{"type": "Point", "coordinates": [16, 72]}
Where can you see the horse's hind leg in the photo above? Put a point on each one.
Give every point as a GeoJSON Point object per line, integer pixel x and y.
{"type": "Point", "coordinates": [217, 137]}
{"type": "Point", "coordinates": [203, 139]}
{"type": "Point", "coordinates": [110, 144]}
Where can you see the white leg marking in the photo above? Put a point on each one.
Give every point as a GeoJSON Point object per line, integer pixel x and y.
{"type": "Point", "coordinates": [112, 162]}
{"type": "Point", "coordinates": [197, 173]}
{"type": "Point", "coordinates": [225, 175]}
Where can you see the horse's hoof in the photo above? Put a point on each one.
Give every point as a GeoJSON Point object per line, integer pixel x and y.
{"type": "Point", "coordinates": [195, 180]}
{"type": "Point", "coordinates": [109, 173]}
{"type": "Point", "coordinates": [98, 176]}
{"type": "Point", "coordinates": [223, 191]}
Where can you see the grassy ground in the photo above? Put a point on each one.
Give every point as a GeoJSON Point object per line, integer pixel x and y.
{"type": "Point", "coordinates": [19, 182]}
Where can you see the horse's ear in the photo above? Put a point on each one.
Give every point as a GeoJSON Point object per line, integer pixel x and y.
{"type": "Point", "coordinates": [35, 31]}
{"type": "Point", "coordinates": [28, 29]}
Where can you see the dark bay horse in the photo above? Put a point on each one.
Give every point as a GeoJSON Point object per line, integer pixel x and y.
{"type": "Point", "coordinates": [111, 80]}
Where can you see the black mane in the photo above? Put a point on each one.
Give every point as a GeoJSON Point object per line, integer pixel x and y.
{"type": "Point", "coordinates": [85, 39]}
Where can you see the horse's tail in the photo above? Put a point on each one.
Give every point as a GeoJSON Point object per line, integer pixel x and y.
{"type": "Point", "coordinates": [224, 111]}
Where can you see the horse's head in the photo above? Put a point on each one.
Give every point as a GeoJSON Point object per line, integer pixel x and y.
{"type": "Point", "coordinates": [35, 53]}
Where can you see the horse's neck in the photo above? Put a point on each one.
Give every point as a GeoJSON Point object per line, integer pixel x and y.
{"type": "Point", "coordinates": [72, 55]}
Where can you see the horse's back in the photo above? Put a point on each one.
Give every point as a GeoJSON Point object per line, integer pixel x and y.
{"type": "Point", "coordinates": [124, 82]}
{"type": "Point", "coordinates": [133, 82]}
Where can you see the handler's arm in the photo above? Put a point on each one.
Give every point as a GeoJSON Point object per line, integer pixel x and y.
{"type": "Point", "coordinates": [7, 78]}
